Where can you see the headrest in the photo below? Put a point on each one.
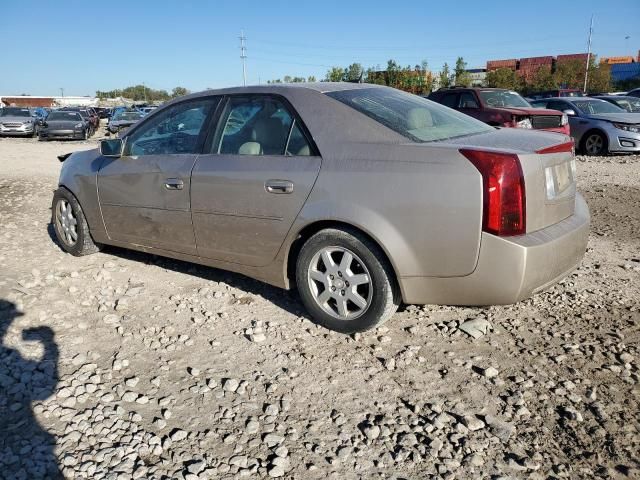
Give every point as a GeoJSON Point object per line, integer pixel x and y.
{"type": "Point", "coordinates": [419, 118]}
{"type": "Point", "coordinates": [250, 148]}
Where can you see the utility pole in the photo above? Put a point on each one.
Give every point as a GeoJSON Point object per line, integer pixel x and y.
{"type": "Point", "coordinates": [62, 92]}
{"type": "Point", "coordinates": [586, 71]}
{"type": "Point", "coordinates": [144, 90]}
{"type": "Point", "coordinates": [243, 56]}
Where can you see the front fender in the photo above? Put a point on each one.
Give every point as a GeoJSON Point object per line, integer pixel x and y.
{"type": "Point", "coordinates": [79, 175]}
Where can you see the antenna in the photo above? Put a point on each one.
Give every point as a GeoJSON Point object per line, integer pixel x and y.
{"type": "Point", "coordinates": [586, 72]}
{"type": "Point", "coordinates": [243, 56]}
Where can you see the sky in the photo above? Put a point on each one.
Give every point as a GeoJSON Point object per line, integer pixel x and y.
{"type": "Point", "coordinates": [84, 46]}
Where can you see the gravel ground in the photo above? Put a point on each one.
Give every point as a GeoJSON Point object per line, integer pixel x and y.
{"type": "Point", "coordinates": [124, 365]}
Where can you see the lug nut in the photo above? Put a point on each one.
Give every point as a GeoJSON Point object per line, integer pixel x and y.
{"type": "Point", "coordinates": [333, 289]}
{"type": "Point", "coordinates": [341, 292]}
{"type": "Point", "coordinates": [331, 277]}
{"type": "Point", "coordinates": [346, 283]}
{"type": "Point", "coordinates": [339, 274]}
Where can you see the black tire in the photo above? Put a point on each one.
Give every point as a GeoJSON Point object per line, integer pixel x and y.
{"type": "Point", "coordinates": [34, 134]}
{"type": "Point", "coordinates": [385, 297]}
{"type": "Point", "coordinates": [594, 143]}
{"type": "Point", "coordinates": [84, 244]}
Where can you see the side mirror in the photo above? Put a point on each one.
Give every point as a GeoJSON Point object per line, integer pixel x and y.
{"type": "Point", "coordinates": [112, 147]}
{"type": "Point", "coordinates": [570, 112]}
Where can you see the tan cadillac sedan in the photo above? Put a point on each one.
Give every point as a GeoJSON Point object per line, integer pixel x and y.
{"type": "Point", "coordinates": [359, 195]}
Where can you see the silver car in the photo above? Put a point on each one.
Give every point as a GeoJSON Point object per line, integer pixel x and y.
{"type": "Point", "coordinates": [361, 196]}
{"type": "Point", "coordinates": [18, 121]}
{"type": "Point", "coordinates": [598, 126]}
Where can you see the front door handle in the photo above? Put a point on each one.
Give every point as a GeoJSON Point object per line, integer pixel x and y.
{"type": "Point", "coordinates": [278, 186]}
{"type": "Point", "coordinates": [173, 184]}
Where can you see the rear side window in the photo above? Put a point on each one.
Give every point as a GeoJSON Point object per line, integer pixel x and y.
{"type": "Point", "coordinates": [416, 118]}
{"type": "Point", "coordinates": [450, 100]}
{"type": "Point", "coordinates": [260, 125]}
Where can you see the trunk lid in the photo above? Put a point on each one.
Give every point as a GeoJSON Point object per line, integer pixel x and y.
{"type": "Point", "coordinates": [549, 175]}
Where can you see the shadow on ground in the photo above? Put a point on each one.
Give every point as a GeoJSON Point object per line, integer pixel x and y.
{"type": "Point", "coordinates": [26, 449]}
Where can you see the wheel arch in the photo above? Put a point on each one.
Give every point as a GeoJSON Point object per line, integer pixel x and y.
{"type": "Point", "coordinates": [312, 228]}
{"type": "Point", "coordinates": [592, 130]}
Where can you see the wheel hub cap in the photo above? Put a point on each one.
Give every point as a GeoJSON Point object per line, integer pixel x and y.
{"type": "Point", "coordinates": [340, 283]}
{"type": "Point", "coordinates": [67, 223]}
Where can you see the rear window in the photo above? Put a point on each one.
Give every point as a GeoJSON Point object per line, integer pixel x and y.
{"type": "Point", "coordinates": [414, 117]}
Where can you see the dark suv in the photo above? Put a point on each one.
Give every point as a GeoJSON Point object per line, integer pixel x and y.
{"type": "Point", "coordinates": [501, 108]}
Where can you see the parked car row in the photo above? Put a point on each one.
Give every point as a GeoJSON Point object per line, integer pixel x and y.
{"type": "Point", "coordinates": [599, 125]}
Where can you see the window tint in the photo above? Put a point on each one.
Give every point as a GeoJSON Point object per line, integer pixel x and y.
{"type": "Point", "coordinates": [257, 125]}
{"type": "Point", "coordinates": [450, 100]}
{"type": "Point", "coordinates": [174, 131]}
{"type": "Point", "coordinates": [467, 100]}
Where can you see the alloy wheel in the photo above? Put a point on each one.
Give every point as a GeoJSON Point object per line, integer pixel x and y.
{"type": "Point", "coordinates": [67, 222]}
{"type": "Point", "coordinates": [594, 143]}
{"type": "Point", "coordinates": [340, 283]}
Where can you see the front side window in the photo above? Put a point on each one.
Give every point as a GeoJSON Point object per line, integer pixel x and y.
{"type": "Point", "coordinates": [174, 131]}
{"type": "Point", "coordinates": [414, 117]}
{"type": "Point", "coordinates": [260, 125]}
{"type": "Point", "coordinates": [467, 100]}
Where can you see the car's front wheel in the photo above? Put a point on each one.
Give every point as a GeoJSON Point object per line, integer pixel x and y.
{"type": "Point", "coordinates": [345, 281]}
{"type": "Point", "coordinates": [70, 224]}
{"type": "Point", "coordinates": [595, 144]}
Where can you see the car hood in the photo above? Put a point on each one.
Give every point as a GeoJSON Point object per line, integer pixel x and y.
{"type": "Point", "coordinates": [11, 119]}
{"type": "Point", "coordinates": [616, 117]}
{"type": "Point", "coordinates": [530, 111]}
{"type": "Point", "coordinates": [517, 140]}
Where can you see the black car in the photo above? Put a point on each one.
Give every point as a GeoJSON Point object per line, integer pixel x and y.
{"type": "Point", "coordinates": [103, 112]}
{"type": "Point", "coordinates": [64, 124]}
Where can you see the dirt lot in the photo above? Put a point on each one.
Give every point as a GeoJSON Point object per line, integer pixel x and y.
{"type": "Point", "coordinates": [123, 365]}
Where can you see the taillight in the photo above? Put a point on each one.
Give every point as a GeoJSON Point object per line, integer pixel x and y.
{"type": "Point", "coordinates": [503, 191]}
{"type": "Point", "coordinates": [567, 147]}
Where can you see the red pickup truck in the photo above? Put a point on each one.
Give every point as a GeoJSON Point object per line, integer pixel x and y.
{"type": "Point", "coordinates": [501, 108]}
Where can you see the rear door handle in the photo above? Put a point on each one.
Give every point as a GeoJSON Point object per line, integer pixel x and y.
{"type": "Point", "coordinates": [278, 186]}
{"type": "Point", "coordinates": [173, 184]}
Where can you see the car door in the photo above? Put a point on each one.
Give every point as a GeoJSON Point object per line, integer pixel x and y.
{"type": "Point", "coordinates": [250, 186]}
{"type": "Point", "coordinates": [144, 194]}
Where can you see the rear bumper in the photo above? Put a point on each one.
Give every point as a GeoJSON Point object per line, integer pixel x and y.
{"type": "Point", "coordinates": [564, 130]}
{"type": "Point", "coordinates": [510, 269]}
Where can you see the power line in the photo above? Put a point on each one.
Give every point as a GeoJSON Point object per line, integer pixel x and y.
{"type": "Point", "coordinates": [243, 56]}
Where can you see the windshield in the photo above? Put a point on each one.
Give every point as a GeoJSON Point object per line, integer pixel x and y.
{"type": "Point", "coordinates": [69, 116]}
{"type": "Point", "coordinates": [596, 106]}
{"type": "Point", "coordinates": [416, 118]}
{"type": "Point", "coordinates": [128, 116]}
{"type": "Point", "coordinates": [15, 112]}
{"type": "Point", "coordinates": [502, 98]}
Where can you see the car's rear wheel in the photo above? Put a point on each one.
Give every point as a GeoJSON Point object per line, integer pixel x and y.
{"type": "Point", "coordinates": [70, 224]}
{"type": "Point", "coordinates": [345, 281]}
{"type": "Point", "coordinates": [594, 144]}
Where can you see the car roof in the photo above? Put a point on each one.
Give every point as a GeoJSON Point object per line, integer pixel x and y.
{"type": "Point", "coordinates": [322, 87]}
{"type": "Point", "coordinates": [617, 97]}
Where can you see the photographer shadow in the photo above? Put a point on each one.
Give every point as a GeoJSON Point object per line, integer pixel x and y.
{"type": "Point", "coordinates": [26, 449]}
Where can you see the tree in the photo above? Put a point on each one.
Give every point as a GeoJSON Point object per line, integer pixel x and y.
{"type": "Point", "coordinates": [445, 76]}
{"type": "Point", "coordinates": [462, 77]}
{"type": "Point", "coordinates": [311, 79]}
{"type": "Point", "coordinates": [336, 74]}
{"type": "Point", "coordinates": [179, 92]}
{"type": "Point", "coordinates": [503, 78]}
{"type": "Point", "coordinates": [354, 72]}
{"type": "Point", "coordinates": [542, 80]}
